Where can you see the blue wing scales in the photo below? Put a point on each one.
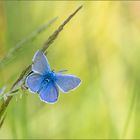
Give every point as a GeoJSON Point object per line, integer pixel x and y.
{"type": "Point", "coordinates": [34, 82]}
{"type": "Point", "coordinates": [49, 93]}
{"type": "Point", "coordinates": [40, 63]}
{"type": "Point", "coordinates": [67, 82]}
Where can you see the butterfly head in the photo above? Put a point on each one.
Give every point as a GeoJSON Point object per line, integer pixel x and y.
{"type": "Point", "coordinates": [50, 76]}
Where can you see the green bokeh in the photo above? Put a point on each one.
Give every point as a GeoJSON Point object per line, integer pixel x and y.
{"type": "Point", "coordinates": [101, 45]}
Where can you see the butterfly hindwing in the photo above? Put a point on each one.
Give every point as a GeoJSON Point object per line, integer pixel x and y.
{"type": "Point", "coordinates": [34, 82]}
{"type": "Point", "coordinates": [40, 63]}
{"type": "Point", "coordinates": [67, 82]}
{"type": "Point", "coordinates": [49, 92]}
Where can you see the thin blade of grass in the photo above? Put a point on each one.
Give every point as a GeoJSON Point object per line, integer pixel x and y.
{"type": "Point", "coordinates": [30, 37]}
{"type": "Point", "coordinates": [27, 70]}
{"type": "Point", "coordinates": [2, 120]}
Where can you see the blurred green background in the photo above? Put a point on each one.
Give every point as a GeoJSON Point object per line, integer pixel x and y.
{"type": "Point", "coordinates": [101, 45]}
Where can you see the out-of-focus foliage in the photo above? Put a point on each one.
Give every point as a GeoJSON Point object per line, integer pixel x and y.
{"type": "Point", "coordinates": [101, 45]}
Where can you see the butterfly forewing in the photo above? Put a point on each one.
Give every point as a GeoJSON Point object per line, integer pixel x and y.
{"type": "Point", "coordinates": [67, 82]}
{"type": "Point", "coordinates": [40, 63]}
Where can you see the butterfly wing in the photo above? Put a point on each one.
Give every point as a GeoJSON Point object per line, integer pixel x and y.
{"type": "Point", "coordinates": [49, 93]}
{"type": "Point", "coordinates": [40, 63]}
{"type": "Point", "coordinates": [34, 82]}
{"type": "Point", "coordinates": [67, 82]}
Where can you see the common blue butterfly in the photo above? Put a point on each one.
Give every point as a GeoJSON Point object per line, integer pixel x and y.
{"type": "Point", "coordinates": [46, 82]}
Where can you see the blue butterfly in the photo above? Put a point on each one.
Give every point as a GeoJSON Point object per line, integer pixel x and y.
{"type": "Point", "coordinates": [46, 82]}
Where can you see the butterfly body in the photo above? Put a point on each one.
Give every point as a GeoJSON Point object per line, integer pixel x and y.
{"type": "Point", "coordinates": [46, 82]}
{"type": "Point", "coordinates": [50, 76]}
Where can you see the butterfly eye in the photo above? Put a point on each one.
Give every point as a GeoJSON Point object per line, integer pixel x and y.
{"type": "Point", "coordinates": [47, 80]}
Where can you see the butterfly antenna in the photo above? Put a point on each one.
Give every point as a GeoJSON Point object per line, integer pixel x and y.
{"type": "Point", "coordinates": [61, 71]}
